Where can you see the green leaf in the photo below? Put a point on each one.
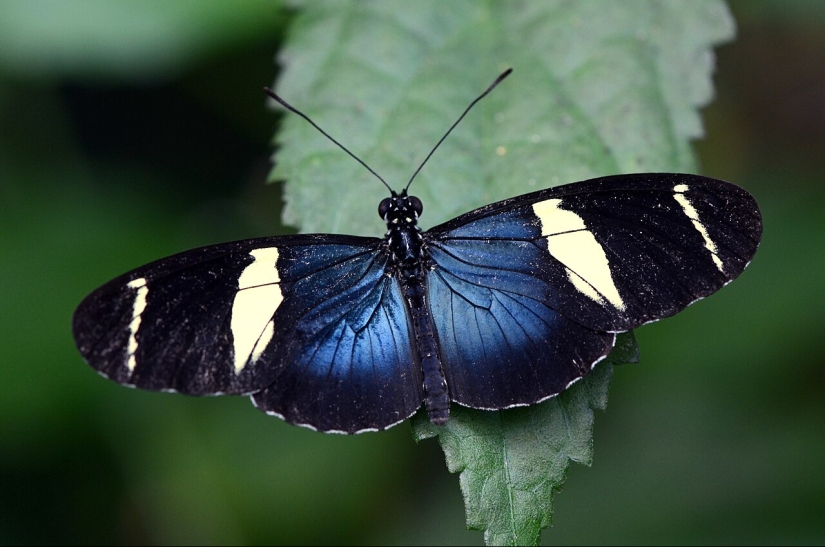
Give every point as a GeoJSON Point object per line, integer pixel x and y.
{"type": "Point", "coordinates": [511, 462]}
{"type": "Point", "coordinates": [598, 88]}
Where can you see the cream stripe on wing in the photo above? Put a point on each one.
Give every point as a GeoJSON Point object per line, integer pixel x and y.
{"type": "Point", "coordinates": [137, 310]}
{"type": "Point", "coordinates": [259, 295]}
{"type": "Point", "coordinates": [569, 241]}
{"type": "Point", "coordinates": [693, 215]}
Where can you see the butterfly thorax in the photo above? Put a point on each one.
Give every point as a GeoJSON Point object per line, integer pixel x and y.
{"type": "Point", "coordinates": [403, 235]}
{"type": "Point", "coordinates": [408, 264]}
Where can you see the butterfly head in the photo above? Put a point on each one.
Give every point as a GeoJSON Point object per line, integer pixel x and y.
{"type": "Point", "coordinates": [400, 210]}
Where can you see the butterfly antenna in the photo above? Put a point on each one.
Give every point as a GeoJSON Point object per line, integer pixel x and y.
{"type": "Point", "coordinates": [472, 104]}
{"type": "Point", "coordinates": [324, 133]}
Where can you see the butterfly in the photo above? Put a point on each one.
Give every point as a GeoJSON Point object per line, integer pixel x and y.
{"type": "Point", "coordinates": [504, 306]}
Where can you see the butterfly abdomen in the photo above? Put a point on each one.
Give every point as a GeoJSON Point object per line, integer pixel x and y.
{"type": "Point", "coordinates": [436, 394]}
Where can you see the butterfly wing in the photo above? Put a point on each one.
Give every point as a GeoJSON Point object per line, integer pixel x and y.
{"type": "Point", "coordinates": [310, 325]}
{"type": "Point", "coordinates": [535, 286]}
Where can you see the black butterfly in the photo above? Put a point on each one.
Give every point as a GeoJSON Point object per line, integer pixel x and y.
{"type": "Point", "coordinates": [504, 306]}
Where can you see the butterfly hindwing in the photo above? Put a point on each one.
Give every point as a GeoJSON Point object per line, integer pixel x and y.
{"type": "Point", "coordinates": [348, 361]}
{"type": "Point", "coordinates": [313, 314]}
{"type": "Point", "coordinates": [501, 343]}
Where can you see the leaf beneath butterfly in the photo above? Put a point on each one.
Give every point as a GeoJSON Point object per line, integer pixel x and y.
{"type": "Point", "coordinates": [598, 88]}
{"type": "Point", "coordinates": [512, 462]}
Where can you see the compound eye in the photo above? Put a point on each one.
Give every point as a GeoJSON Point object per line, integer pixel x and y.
{"type": "Point", "coordinates": [384, 207]}
{"type": "Point", "coordinates": [416, 205]}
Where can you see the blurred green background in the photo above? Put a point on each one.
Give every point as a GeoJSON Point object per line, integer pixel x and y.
{"type": "Point", "coordinates": [132, 130]}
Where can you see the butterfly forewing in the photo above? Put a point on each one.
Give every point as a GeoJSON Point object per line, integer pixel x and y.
{"type": "Point", "coordinates": [613, 253]}
{"type": "Point", "coordinates": [167, 325]}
